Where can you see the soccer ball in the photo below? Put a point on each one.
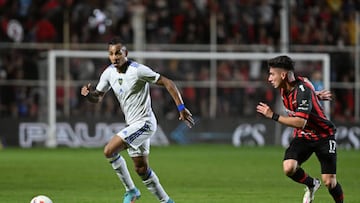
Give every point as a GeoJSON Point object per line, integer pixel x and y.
{"type": "Point", "coordinates": [41, 199]}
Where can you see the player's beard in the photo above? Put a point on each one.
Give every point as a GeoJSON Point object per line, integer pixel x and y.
{"type": "Point", "coordinates": [117, 64]}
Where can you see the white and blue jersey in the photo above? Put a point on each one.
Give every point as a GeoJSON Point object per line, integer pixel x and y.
{"type": "Point", "coordinates": [132, 90]}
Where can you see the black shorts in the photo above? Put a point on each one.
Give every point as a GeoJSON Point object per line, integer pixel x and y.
{"type": "Point", "coordinates": [325, 150]}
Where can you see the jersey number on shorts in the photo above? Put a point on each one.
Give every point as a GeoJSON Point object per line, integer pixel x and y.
{"type": "Point", "coordinates": [332, 146]}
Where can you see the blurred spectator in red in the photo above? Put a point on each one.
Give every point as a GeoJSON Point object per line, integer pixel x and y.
{"type": "Point", "coordinates": [45, 31]}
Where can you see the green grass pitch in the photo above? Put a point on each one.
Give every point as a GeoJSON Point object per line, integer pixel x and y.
{"type": "Point", "coordinates": [190, 174]}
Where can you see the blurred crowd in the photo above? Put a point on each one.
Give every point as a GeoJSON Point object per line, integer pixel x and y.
{"type": "Point", "coordinates": [245, 22]}
{"type": "Point", "coordinates": [314, 22]}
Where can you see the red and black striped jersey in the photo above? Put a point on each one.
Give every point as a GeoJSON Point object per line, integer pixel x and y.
{"type": "Point", "coordinates": [303, 102]}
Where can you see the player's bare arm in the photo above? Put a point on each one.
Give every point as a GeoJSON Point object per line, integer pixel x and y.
{"type": "Point", "coordinates": [92, 96]}
{"type": "Point", "coordinates": [185, 114]}
{"type": "Point", "coordinates": [324, 95]}
{"type": "Point", "coordinates": [295, 122]}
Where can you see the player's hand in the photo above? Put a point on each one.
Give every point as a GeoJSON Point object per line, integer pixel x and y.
{"type": "Point", "coordinates": [264, 109]}
{"type": "Point", "coordinates": [186, 116]}
{"type": "Point", "coordinates": [85, 90]}
{"type": "Point", "coordinates": [324, 95]}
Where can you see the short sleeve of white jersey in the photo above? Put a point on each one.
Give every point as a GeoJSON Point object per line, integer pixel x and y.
{"type": "Point", "coordinates": [147, 74]}
{"type": "Point", "coordinates": [104, 84]}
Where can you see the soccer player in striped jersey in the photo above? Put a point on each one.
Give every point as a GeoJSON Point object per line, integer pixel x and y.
{"type": "Point", "coordinates": [313, 131]}
{"type": "Point", "coordinates": [130, 82]}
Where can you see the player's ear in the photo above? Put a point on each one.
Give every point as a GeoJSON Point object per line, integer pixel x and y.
{"type": "Point", "coordinates": [283, 75]}
{"type": "Point", "coordinates": [290, 76]}
{"type": "Point", "coordinates": [124, 50]}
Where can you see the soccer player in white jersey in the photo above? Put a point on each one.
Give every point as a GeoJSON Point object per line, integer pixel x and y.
{"type": "Point", "coordinates": [130, 83]}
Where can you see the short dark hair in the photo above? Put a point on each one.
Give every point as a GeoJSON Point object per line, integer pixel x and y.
{"type": "Point", "coordinates": [115, 40]}
{"type": "Point", "coordinates": [283, 61]}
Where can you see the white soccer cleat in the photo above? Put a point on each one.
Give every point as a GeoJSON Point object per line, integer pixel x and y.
{"type": "Point", "coordinates": [310, 192]}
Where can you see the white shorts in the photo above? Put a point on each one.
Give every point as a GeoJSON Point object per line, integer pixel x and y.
{"type": "Point", "coordinates": [137, 136]}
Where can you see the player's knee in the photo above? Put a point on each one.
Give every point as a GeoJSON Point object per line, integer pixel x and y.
{"type": "Point", "coordinates": [289, 169]}
{"type": "Point", "coordinates": [329, 182]}
{"type": "Point", "coordinates": [108, 152]}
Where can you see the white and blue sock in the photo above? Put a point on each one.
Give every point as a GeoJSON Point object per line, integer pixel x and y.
{"type": "Point", "coordinates": [118, 163]}
{"type": "Point", "coordinates": [151, 181]}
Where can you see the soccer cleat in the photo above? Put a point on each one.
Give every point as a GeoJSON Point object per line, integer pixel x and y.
{"type": "Point", "coordinates": [131, 196]}
{"type": "Point", "coordinates": [310, 192]}
{"type": "Point", "coordinates": [170, 201]}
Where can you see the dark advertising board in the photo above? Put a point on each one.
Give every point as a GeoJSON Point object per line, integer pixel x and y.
{"type": "Point", "coordinates": [96, 132]}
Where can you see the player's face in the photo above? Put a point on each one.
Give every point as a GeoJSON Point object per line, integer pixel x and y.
{"type": "Point", "coordinates": [117, 56]}
{"type": "Point", "coordinates": [276, 76]}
